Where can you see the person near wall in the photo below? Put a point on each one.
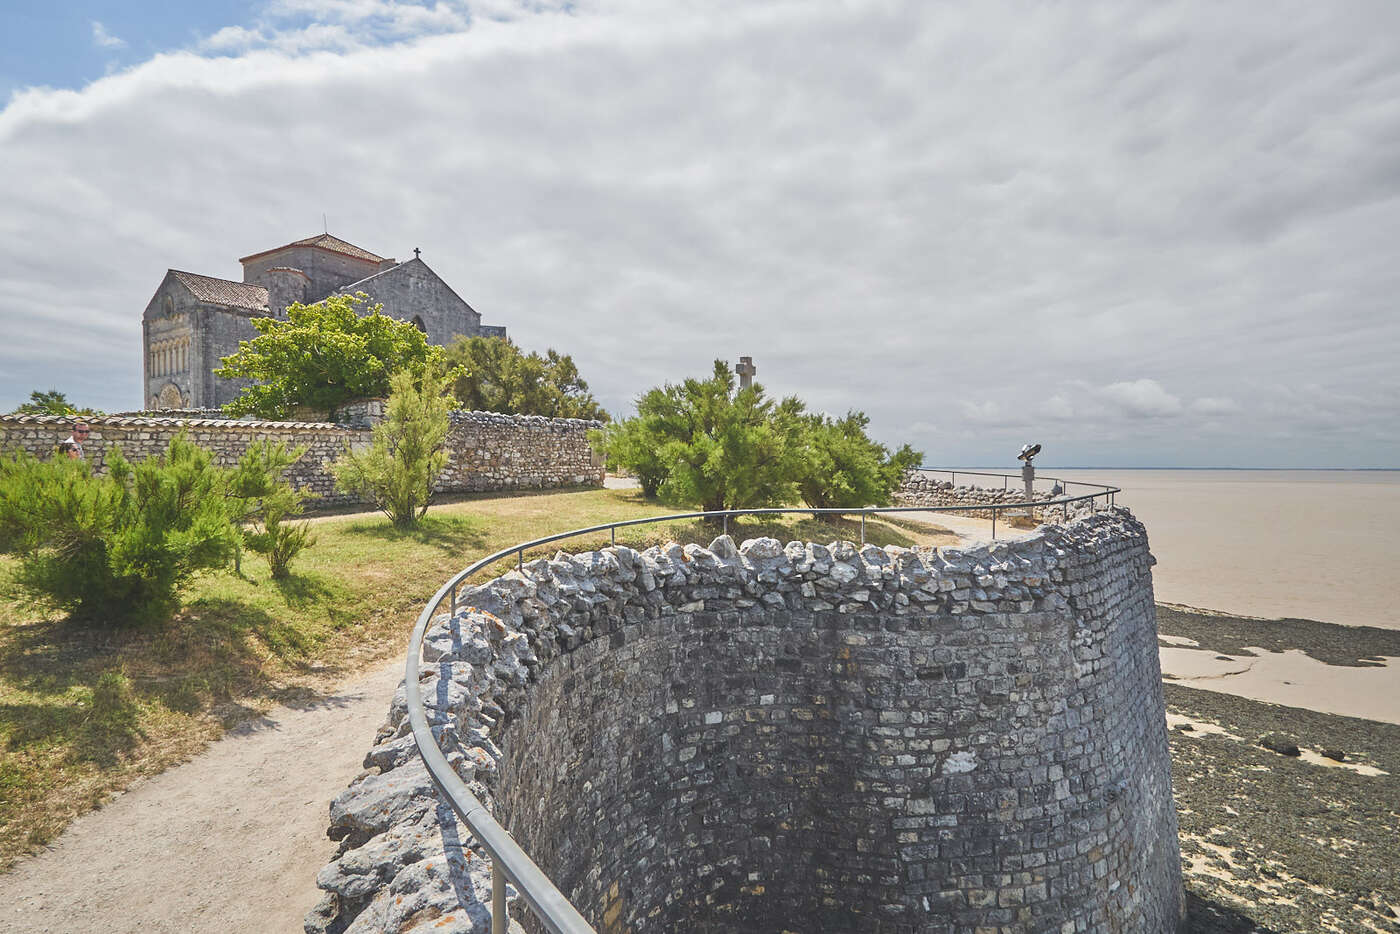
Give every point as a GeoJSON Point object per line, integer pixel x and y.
{"type": "Point", "coordinates": [73, 445]}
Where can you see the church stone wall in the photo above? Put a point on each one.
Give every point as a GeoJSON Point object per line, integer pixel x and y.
{"type": "Point", "coordinates": [807, 739]}
{"type": "Point", "coordinates": [326, 270]}
{"type": "Point", "coordinates": [220, 331]}
{"type": "Point", "coordinates": [486, 451]}
{"type": "Point", "coordinates": [170, 315]}
{"type": "Point", "coordinates": [210, 331]}
{"type": "Point", "coordinates": [412, 290]}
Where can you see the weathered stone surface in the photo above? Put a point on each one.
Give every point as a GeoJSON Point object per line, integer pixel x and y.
{"type": "Point", "coordinates": [374, 802]}
{"type": "Point", "coordinates": [1281, 743]}
{"type": "Point", "coordinates": [801, 737]}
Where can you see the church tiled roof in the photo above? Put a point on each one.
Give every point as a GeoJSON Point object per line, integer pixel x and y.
{"type": "Point", "coordinates": [223, 291]}
{"type": "Point", "coordinates": [325, 242]}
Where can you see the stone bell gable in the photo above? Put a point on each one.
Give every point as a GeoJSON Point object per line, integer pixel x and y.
{"type": "Point", "coordinates": [193, 321]}
{"type": "Point", "coordinates": [189, 324]}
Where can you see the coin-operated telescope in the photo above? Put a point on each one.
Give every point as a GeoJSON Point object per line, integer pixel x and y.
{"type": "Point", "coordinates": [1028, 453]}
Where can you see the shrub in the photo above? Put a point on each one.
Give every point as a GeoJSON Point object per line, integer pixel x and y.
{"type": "Point", "coordinates": [406, 451]}
{"type": "Point", "coordinates": [263, 502]}
{"type": "Point", "coordinates": [629, 446]}
{"type": "Point", "coordinates": [324, 355]}
{"type": "Point", "coordinates": [715, 447]}
{"type": "Point", "coordinates": [841, 466]}
{"type": "Point", "coordinates": [51, 402]}
{"type": "Point", "coordinates": [494, 376]}
{"type": "Point", "coordinates": [702, 443]}
{"type": "Point", "coordinates": [114, 547]}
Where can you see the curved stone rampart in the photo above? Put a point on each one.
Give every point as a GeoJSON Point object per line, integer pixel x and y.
{"type": "Point", "coordinates": [803, 738]}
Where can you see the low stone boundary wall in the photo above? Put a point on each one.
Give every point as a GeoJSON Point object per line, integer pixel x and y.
{"type": "Point", "coordinates": [921, 488]}
{"type": "Point", "coordinates": [486, 450]}
{"type": "Point", "coordinates": [803, 738]}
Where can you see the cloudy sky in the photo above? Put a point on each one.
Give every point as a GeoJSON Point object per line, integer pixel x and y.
{"type": "Point", "coordinates": [1143, 235]}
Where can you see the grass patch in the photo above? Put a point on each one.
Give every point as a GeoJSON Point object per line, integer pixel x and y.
{"type": "Point", "coordinates": [84, 710]}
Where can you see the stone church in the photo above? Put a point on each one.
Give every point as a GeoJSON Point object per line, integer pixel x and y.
{"type": "Point", "coordinates": [192, 321]}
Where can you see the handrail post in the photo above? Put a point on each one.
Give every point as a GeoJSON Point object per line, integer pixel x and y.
{"type": "Point", "coordinates": [454, 600]}
{"type": "Point", "coordinates": [994, 523]}
{"type": "Point", "coordinates": [498, 898]}
{"type": "Point", "coordinates": [613, 530]}
{"type": "Point", "coordinates": [862, 527]}
{"type": "Point", "coordinates": [726, 523]}
{"type": "Point", "coordinates": [520, 560]}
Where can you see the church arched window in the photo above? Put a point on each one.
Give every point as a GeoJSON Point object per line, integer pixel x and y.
{"type": "Point", "coordinates": [418, 323]}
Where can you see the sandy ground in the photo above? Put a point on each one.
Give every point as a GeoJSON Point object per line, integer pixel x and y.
{"type": "Point", "coordinates": [230, 841]}
{"type": "Point", "coordinates": [1292, 678]}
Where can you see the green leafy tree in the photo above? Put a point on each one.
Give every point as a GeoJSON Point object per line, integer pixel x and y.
{"type": "Point", "coordinates": [632, 447]}
{"type": "Point", "coordinates": [841, 466]}
{"type": "Point", "coordinates": [406, 453]}
{"type": "Point", "coordinates": [720, 448]}
{"type": "Point", "coordinates": [51, 402]}
{"type": "Point", "coordinates": [495, 376]}
{"type": "Point", "coordinates": [263, 503]}
{"type": "Point", "coordinates": [324, 355]}
{"type": "Point", "coordinates": [116, 546]}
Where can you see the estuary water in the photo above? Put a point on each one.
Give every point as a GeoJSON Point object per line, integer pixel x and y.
{"type": "Point", "coordinates": [1315, 544]}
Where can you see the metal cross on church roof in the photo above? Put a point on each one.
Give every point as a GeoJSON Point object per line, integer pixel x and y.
{"type": "Point", "coordinates": [415, 252]}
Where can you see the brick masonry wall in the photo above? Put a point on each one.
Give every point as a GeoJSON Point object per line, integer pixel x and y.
{"type": "Point", "coordinates": [804, 738]}
{"type": "Point", "coordinates": [486, 451]}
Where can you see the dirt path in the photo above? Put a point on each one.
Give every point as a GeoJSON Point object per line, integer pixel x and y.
{"type": "Point", "coordinates": [230, 841]}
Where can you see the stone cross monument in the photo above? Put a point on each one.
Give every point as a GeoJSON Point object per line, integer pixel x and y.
{"type": "Point", "coordinates": [746, 371]}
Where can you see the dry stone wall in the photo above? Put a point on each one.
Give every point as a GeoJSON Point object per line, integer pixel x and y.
{"type": "Point", "coordinates": [803, 738]}
{"type": "Point", "coordinates": [486, 451]}
{"type": "Point", "coordinates": [920, 488]}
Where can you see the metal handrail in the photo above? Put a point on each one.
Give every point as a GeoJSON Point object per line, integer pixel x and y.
{"type": "Point", "coordinates": [510, 863]}
{"type": "Point", "coordinates": [1005, 478]}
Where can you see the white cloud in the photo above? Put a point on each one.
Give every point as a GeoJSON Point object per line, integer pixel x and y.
{"type": "Point", "coordinates": [301, 26]}
{"type": "Point", "coordinates": [976, 217]}
{"type": "Point", "coordinates": [232, 39]}
{"type": "Point", "coordinates": [1057, 407]}
{"type": "Point", "coordinates": [1215, 405]}
{"type": "Point", "coordinates": [105, 40]}
{"type": "Point", "coordinates": [982, 413]}
{"type": "Point", "coordinates": [1143, 398]}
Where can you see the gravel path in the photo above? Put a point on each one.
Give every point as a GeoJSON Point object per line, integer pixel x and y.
{"type": "Point", "coordinates": [230, 841]}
